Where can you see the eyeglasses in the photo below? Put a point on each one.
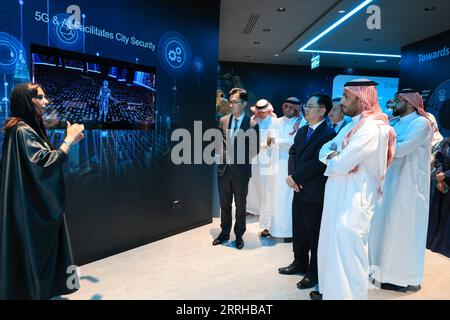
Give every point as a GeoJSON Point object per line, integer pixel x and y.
{"type": "Point", "coordinates": [311, 107]}
{"type": "Point", "coordinates": [235, 101]}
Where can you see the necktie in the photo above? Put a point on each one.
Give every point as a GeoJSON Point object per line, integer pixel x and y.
{"type": "Point", "coordinates": [235, 128]}
{"type": "Point", "coordinates": [334, 126]}
{"type": "Point", "coordinates": [310, 131]}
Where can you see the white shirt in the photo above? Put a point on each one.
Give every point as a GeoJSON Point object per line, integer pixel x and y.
{"type": "Point", "coordinates": [314, 126]}
{"type": "Point", "coordinates": [338, 125]}
{"type": "Point", "coordinates": [233, 127]}
{"type": "Point", "coordinates": [241, 117]}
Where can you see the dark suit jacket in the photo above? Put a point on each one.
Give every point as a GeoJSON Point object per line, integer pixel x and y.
{"type": "Point", "coordinates": [342, 126]}
{"type": "Point", "coordinates": [304, 165]}
{"type": "Point", "coordinates": [249, 148]}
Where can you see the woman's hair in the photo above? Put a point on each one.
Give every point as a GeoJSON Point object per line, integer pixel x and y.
{"type": "Point", "coordinates": [22, 109]}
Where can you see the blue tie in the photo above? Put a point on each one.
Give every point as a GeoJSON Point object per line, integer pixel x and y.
{"type": "Point", "coordinates": [310, 131]}
{"type": "Point", "coordinates": [335, 127]}
{"type": "Point", "coordinates": [235, 129]}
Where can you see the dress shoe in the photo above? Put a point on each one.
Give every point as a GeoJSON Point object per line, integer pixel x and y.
{"type": "Point", "coordinates": [315, 295]}
{"type": "Point", "coordinates": [220, 239]}
{"type": "Point", "coordinates": [293, 268]}
{"type": "Point", "coordinates": [239, 243]}
{"type": "Point", "coordinates": [393, 287]}
{"type": "Point", "coordinates": [287, 240]}
{"type": "Point", "coordinates": [414, 288]}
{"type": "Point", "coordinates": [307, 283]}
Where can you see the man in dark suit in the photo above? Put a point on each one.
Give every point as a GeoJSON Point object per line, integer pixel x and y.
{"type": "Point", "coordinates": [240, 145]}
{"type": "Point", "coordinates": [336, 116]}
{"type": "Point", "coordinates": [307, 179]}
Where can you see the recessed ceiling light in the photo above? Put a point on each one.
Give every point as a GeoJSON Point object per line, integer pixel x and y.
{"type": "Point", "coordinates": [266, 30]}
{"type": "Point", "coordinates": [430, 8]}
{"type": "Point", "coordinates": [277, 55]}
{"type": "Point", "coordinates": [349, 70]}
{"type": "Point", "coordinates": [342, 11]}
{"type": "Point", "coordinates": [380, 61]}
{"type": "Point", "coordinates": [257, 42]}
{"type": "Point", "coordinates": [281, 9]}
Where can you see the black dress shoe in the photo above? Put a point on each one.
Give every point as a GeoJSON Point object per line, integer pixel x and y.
{"type": "Point", "coordinates": [293, 268]}
{"type": "Point", "coordinates": [315, 295]}
{"type": "Point", "coordinates": [287, 240]}
{"type": "Point", "coordinates": [414, 288]}
{"type": "Point", "coordinates": [239, 243]}
{"type": "Point", "coordinates": [393, 287]}
{"type": "Point", "coordinates": [220, 239]}
{"type": "Point", "coordinates": [307, 283]}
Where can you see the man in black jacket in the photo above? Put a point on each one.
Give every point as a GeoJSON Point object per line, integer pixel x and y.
{"type": "Point", "coordinates": [307, 179]}
{"type": "Point", "coordinates": [240, 145]}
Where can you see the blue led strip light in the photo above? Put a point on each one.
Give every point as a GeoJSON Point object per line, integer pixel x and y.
{"type": "Point", "coordinates": [334, 26]}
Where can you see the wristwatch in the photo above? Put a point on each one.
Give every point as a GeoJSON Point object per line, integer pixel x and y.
{"type": "Point", "coordinates": [67, 143]}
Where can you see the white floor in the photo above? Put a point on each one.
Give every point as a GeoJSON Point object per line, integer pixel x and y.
{"type": "Point", "coordinates": [187, 266]}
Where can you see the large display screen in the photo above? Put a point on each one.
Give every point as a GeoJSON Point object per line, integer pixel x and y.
{"type": "Point", "coordinates": [97, 92]}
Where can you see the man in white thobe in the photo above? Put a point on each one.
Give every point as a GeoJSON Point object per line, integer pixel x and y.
{"type": "Point", "coordinates": [356, 161]}
{"type": "Point", "coordinates": [399, 228]}
{"type": "Point", "coordinates": [280, 138]}
{"type": "Point", "coordinates": [258, 198]}
{"type": "Point", "coordinates": [337, 117]}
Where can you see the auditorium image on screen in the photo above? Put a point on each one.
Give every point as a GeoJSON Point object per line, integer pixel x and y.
{"type": "Point", "coordinates": [97, 92]}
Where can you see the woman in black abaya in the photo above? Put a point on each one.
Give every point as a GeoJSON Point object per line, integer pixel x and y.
{"type": "Point", "coordinates": [35, 252]}
{"type": "Point", "coordinates": [438, 239]}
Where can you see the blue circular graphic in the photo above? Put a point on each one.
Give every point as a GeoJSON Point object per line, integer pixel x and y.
{"type": "Point", "coordinates": [437, 104]}
{"type": "Point", "coordinates": [198, 64]}
{"type": "Point", "coordinates": [13, 51]}
{"type": "Point", "coordinates": [174, 54]}
{"type": "Point", "coordinates": [63, 36]}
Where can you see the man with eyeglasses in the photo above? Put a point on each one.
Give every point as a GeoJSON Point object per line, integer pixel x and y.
{"type": "Point", "coordinates": [399, 228]}
{"type": "Point", "coordinates": [240, 145]}
{"type": "Point", "coordinates": [308, 183]}
{"type": "Point", "coordinates": [336, 116]}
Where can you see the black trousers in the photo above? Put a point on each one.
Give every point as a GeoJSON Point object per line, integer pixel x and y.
{"type": "Point", "coordinates": [306, 218]}
{"type": "Point", "coordinates": [229, 187]}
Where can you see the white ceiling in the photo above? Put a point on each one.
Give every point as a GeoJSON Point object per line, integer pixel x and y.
{"type": "Point", "coordinates": [402, 22]}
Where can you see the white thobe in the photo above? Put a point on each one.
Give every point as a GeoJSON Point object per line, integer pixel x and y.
{"type": "Point", "coordinates": [349, 204]}
{"type": "Point", "coordinates": [258, 189]}
{"type": "Point", "coordinates": [281, 195]}
{"type": "Point", "coordinates": [399, 228]}
{"type": "Point", "coordinates": [437, 136]}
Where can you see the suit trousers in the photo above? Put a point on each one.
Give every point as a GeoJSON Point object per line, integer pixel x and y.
{"type": "Point", "coordinates": [306, 219]}
{"type": "Point", "coordinates": [229, 187]}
